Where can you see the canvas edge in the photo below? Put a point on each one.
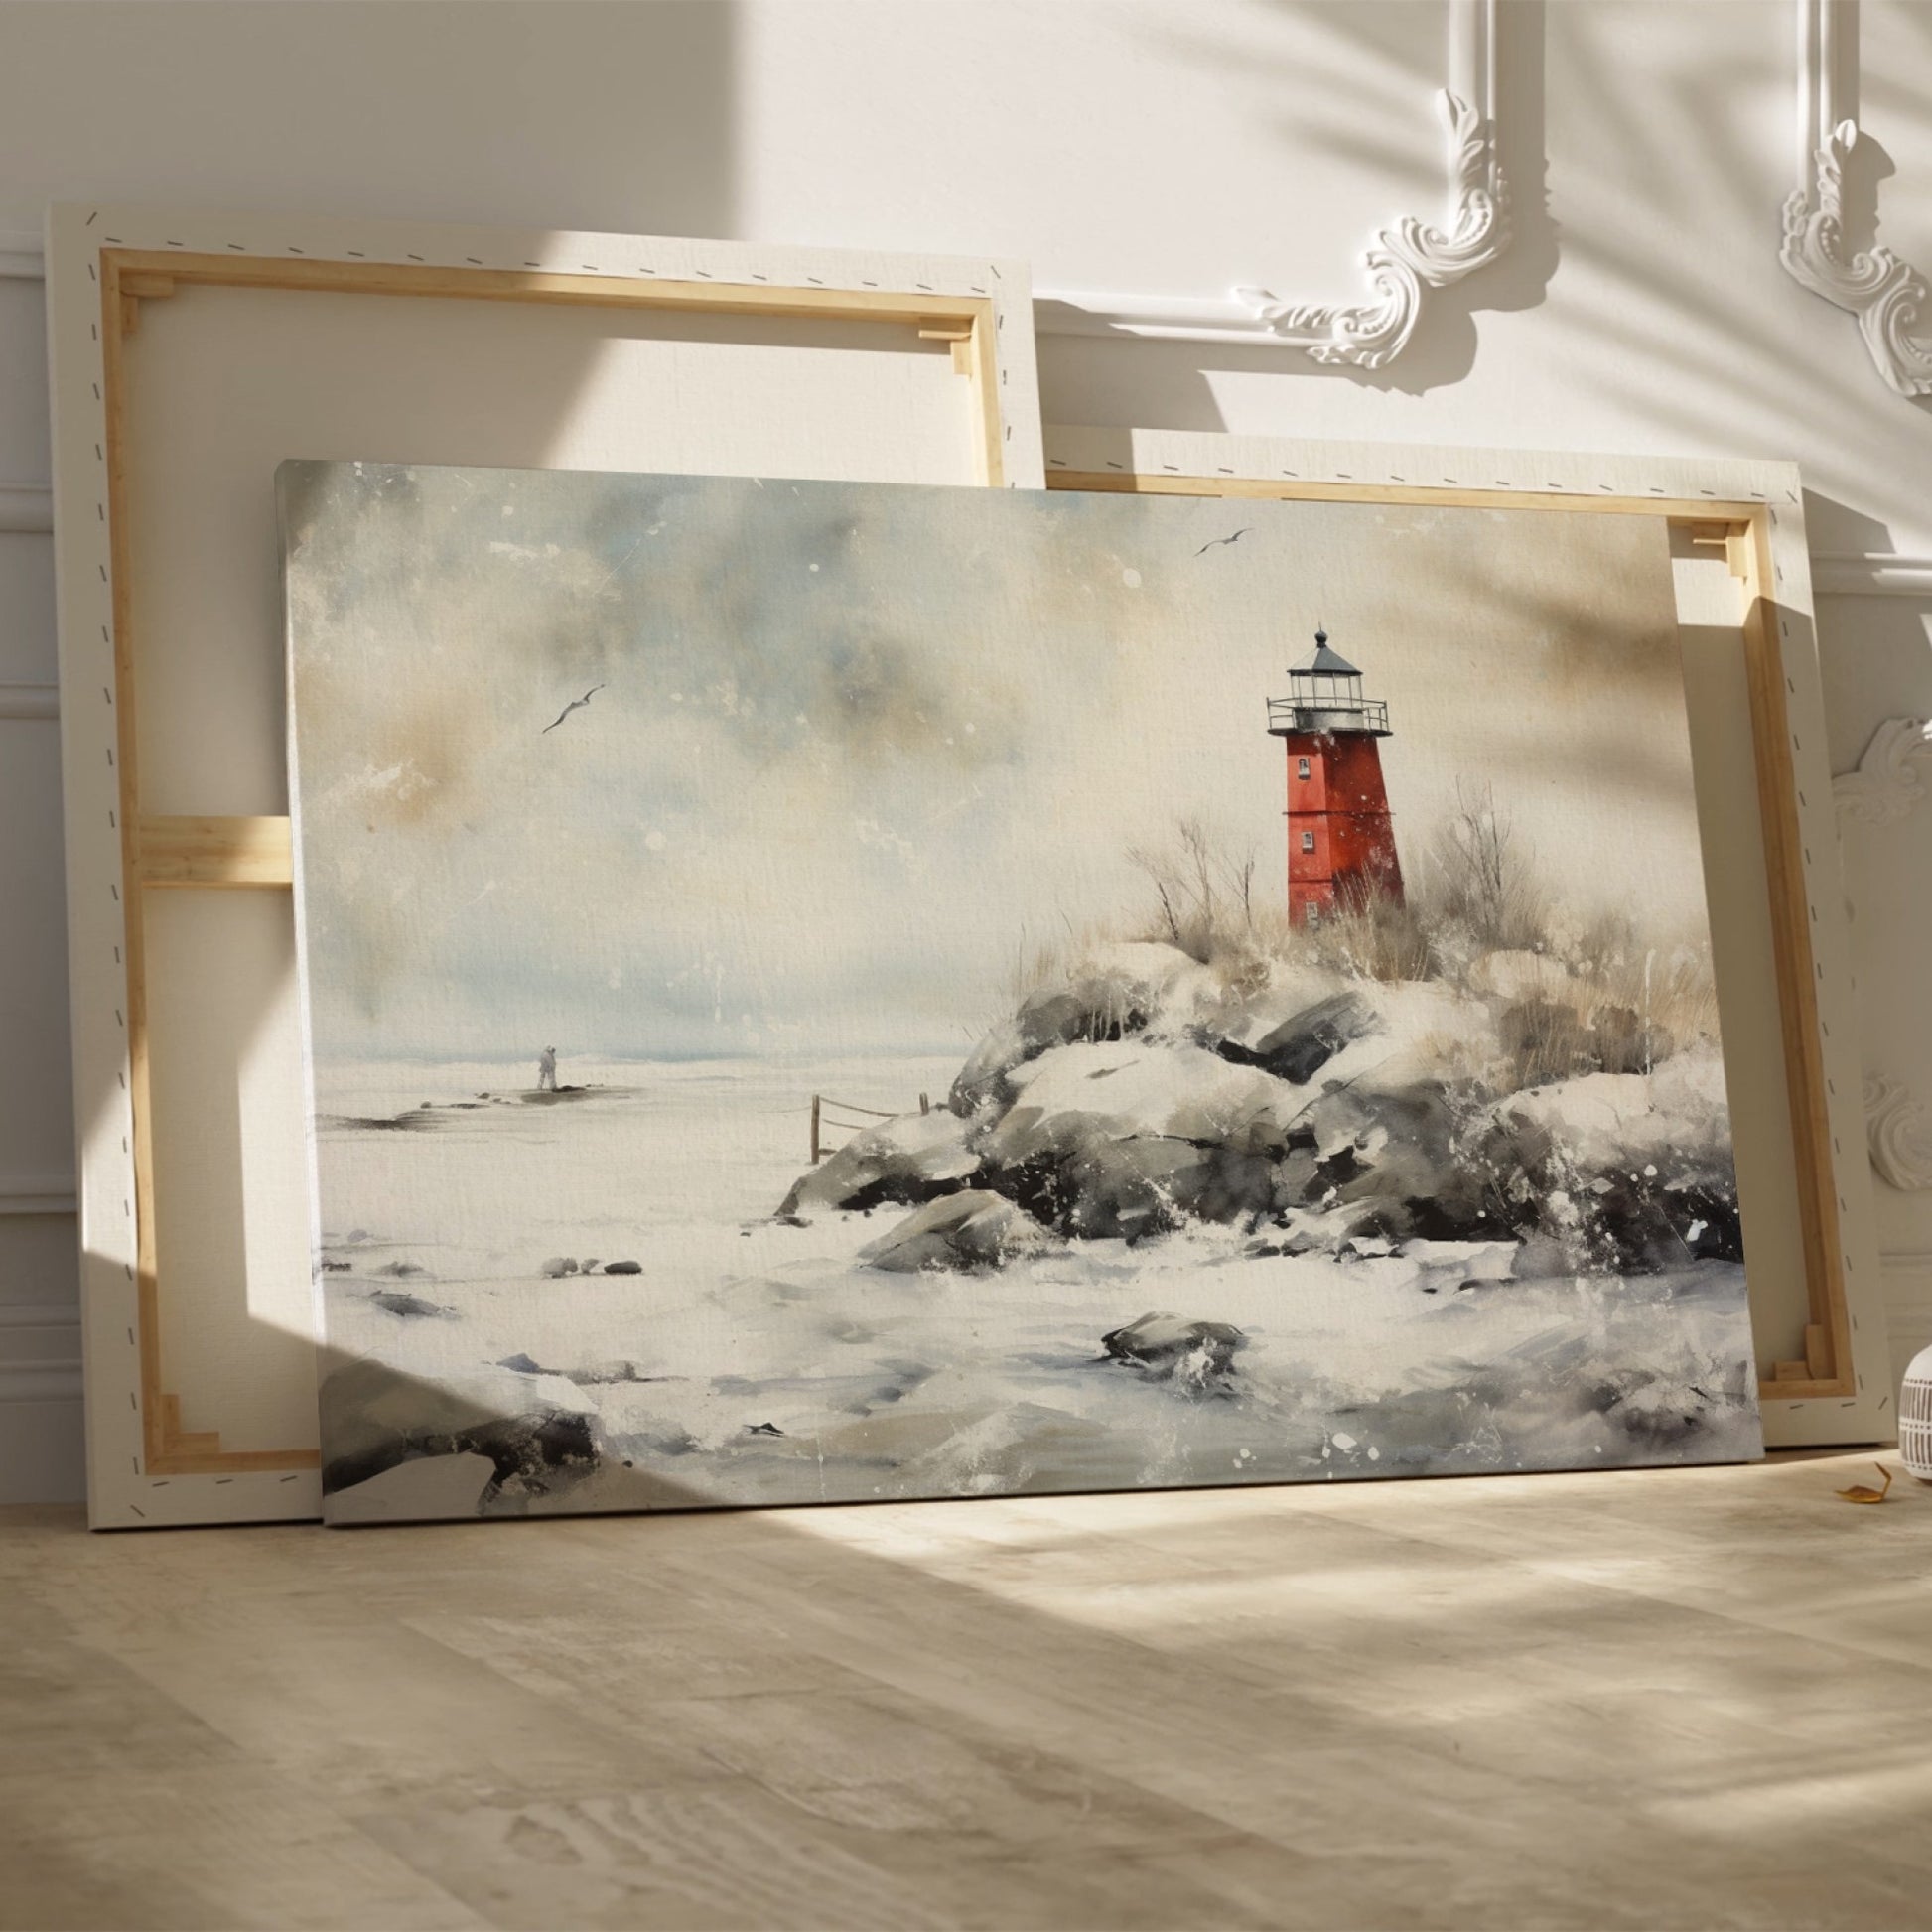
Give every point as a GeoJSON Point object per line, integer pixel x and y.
{"type": "Point", "coordinates": [120, 1493]}
{"type": "Point", "coordinates": [1866, 1416]}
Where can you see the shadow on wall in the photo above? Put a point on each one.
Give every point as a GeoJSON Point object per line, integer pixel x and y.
{"type": "Point", "coordinates": [343, 110]}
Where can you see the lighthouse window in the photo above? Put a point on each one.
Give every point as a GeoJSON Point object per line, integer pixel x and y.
{"type": "Point", "coordinates": [1307, 841]}
{"type": "Point", "coordinates": [1300, 767]}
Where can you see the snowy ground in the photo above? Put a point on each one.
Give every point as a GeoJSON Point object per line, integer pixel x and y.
{"type": "Point", "coordinates": [1429, 1361]}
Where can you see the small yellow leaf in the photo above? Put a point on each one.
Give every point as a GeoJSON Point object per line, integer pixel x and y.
{"type": "Point", "coordinates": [1860, 1492]}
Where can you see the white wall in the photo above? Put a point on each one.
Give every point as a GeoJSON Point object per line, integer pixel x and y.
{"type": "Point", "coordinates": [1175, 146]}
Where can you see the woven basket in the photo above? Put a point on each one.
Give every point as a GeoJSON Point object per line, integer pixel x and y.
{"type": "Point", "coordinates": [1915, 1416]}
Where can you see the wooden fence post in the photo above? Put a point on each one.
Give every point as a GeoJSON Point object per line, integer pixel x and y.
{"type": "Point", "coordinates": [814, 1130]}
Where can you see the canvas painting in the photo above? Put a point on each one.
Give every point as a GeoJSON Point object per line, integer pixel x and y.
{"type": "Point", "coordinates": [822, 992]}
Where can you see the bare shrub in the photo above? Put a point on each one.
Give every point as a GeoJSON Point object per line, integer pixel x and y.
{"type": "Point", "coordinates": [1376, 937]}
{"type": "Point", "coordinates": [1203, 895]}
{"type": "Point", "coordinates": [1546, 1039]}
{"type": "Point", "coordinates": [1670, 991]}
{"type": "Point", "coordinates": [1484, 877]}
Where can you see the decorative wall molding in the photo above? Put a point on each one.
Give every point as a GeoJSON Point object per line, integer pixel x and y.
{"type": "Point", "coordinates": [40, 1351]}
{"type": "Point", "coordinates": [26, 507]}
{"type": "Point", "coordinates": [1898, 1130]}
{"type": "Point", "coordinates": [1887, 784]}
{"type": "Point", "coordinates": [36, 1193]}
{"type": "Point", "coordinates": [1405, 262]}
{"type": "Point", "coordinates": [1887, 295]}
{"type": "Point", "coordinates": [21, 257]}
{"type": "Point", "coordinates": [30, 701]}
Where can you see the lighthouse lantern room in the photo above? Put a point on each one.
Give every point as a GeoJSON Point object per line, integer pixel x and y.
{"type": "Point", "coordinates": [1340, 837]}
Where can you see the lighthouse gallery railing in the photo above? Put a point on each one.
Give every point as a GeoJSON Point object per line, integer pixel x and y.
{"type": "Point", "coordinates": [1327, 714]}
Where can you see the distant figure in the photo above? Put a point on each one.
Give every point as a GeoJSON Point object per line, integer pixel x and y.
{"type": "Point", "coordinates": [547, 1071]}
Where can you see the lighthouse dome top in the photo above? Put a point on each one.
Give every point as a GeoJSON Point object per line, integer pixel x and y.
{"type": "Point", "coordinates": [1325, 698]}
{"type": "Point", "coordinates": [1321, 658]}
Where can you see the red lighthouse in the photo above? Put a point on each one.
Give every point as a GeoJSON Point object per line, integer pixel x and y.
{"type": "Point", "coordinates": [1341, 839]}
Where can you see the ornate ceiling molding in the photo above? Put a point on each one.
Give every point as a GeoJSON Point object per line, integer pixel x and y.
{"type": "Point", "coordinates": [1900, 1135]}
{"type": "Point", "coordinates": [1887, 295]}
{"type": "Point", "coordinates": [1887, 784]}
{"type": "Point", "coordinates": [1406, 262]}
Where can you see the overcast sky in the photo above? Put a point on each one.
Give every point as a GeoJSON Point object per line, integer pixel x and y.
{"type": "Point", "coordinates": [858, 746]}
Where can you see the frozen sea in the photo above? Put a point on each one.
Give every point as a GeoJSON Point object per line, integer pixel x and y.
{"type": "Point", "coordinates": [749, 1361]}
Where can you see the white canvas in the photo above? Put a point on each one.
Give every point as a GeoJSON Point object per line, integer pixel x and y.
{"type": "Point", "coordinates": [949, 826]}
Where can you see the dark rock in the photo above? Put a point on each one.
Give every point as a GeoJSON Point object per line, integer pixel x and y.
{"type": "Point", "coordinates": [522, 1364]}
{"type": "Point", "coordinates": [623, 1268]}
{"type": "Point", "coordinates": [969, 1231]}
{"type": "Point", "coordinates": [1398, 1157]}
{"type": "Point", "coordinates": [1561, 1168]}
{"type": "Point", "coordinates": [538, 1432]}
{"type": "Point", "coordinates": [397, 1302]}
{"type": "Point", "coordinates": [1165, 1349]}
{"type": "Point", "coordinates": [1112, 1143]}
{"type": "Point", "coordinates": [763, 1428]}
{"type": "Point", "coordinates": [1087, 1180]}
{"type": "Point", "coordinates": [1301, 1046]}
{"type": "Point", "coordinates": [401, 1270]}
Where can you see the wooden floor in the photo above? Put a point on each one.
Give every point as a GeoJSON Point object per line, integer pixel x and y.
{"type": "Point", "coordinates": [1682, 1699]}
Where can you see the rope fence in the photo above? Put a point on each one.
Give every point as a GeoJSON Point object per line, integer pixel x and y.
{"type": "Point", "coordinates": [832, 1116]}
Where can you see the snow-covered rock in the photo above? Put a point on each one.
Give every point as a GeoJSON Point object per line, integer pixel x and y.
{"type": "Point", "coordinates": [969, 1231]}
{"type": "Point", "coordinates": [1606, 1121]}
{"type": "Point", "coordinates": [1396, 1155]}
{"type": "Point", "coordinates": [1115, 991]}
{"type": "Point", "coordinates": [1625, 1170]}
{"type": "Point", "coordinates": [1165, 1349]}
{"type": "Point", "coordinates": [1306, 1041]}
{"type": "Point", "coordinates": [907, 1159]}
{"type": "Point", "coordinates": [1127, 1140]}
{"type": "Point", "coordinates": [1140, 1086]}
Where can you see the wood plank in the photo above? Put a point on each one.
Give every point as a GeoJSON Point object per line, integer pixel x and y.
{"type": "Point", "coordinates": [218, 852]}
{"type": "Point", "coordinates": [1464, 496]}
{"type": "Point", "coordinates": [115, 309]}
{"type": "Point", "coordinates": [916, 307]}
{"type": "Point", "coordinates": [1818, 1351]}
{"type": "Point", "coordinates": [198, 1456]}
{"type": "Point", "coordinates": [981, 354]}
{"type": "Point", "coordinates": [1829, 1355]}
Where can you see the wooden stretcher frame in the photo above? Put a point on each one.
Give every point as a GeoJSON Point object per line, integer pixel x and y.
{"type": "Point", "coordinates": [1839, 1389]}
{"type": "Point", "coordinates": [146, 1467]}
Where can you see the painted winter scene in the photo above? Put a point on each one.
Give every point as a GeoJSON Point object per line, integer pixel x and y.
{"type": "Point", "coordinates": [823, 992]}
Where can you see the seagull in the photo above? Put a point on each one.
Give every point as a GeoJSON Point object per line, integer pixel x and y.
{"type": "Point", "coordinates": [575, 704]}
{"type": "Point", "coordinates": [1212, 542]}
